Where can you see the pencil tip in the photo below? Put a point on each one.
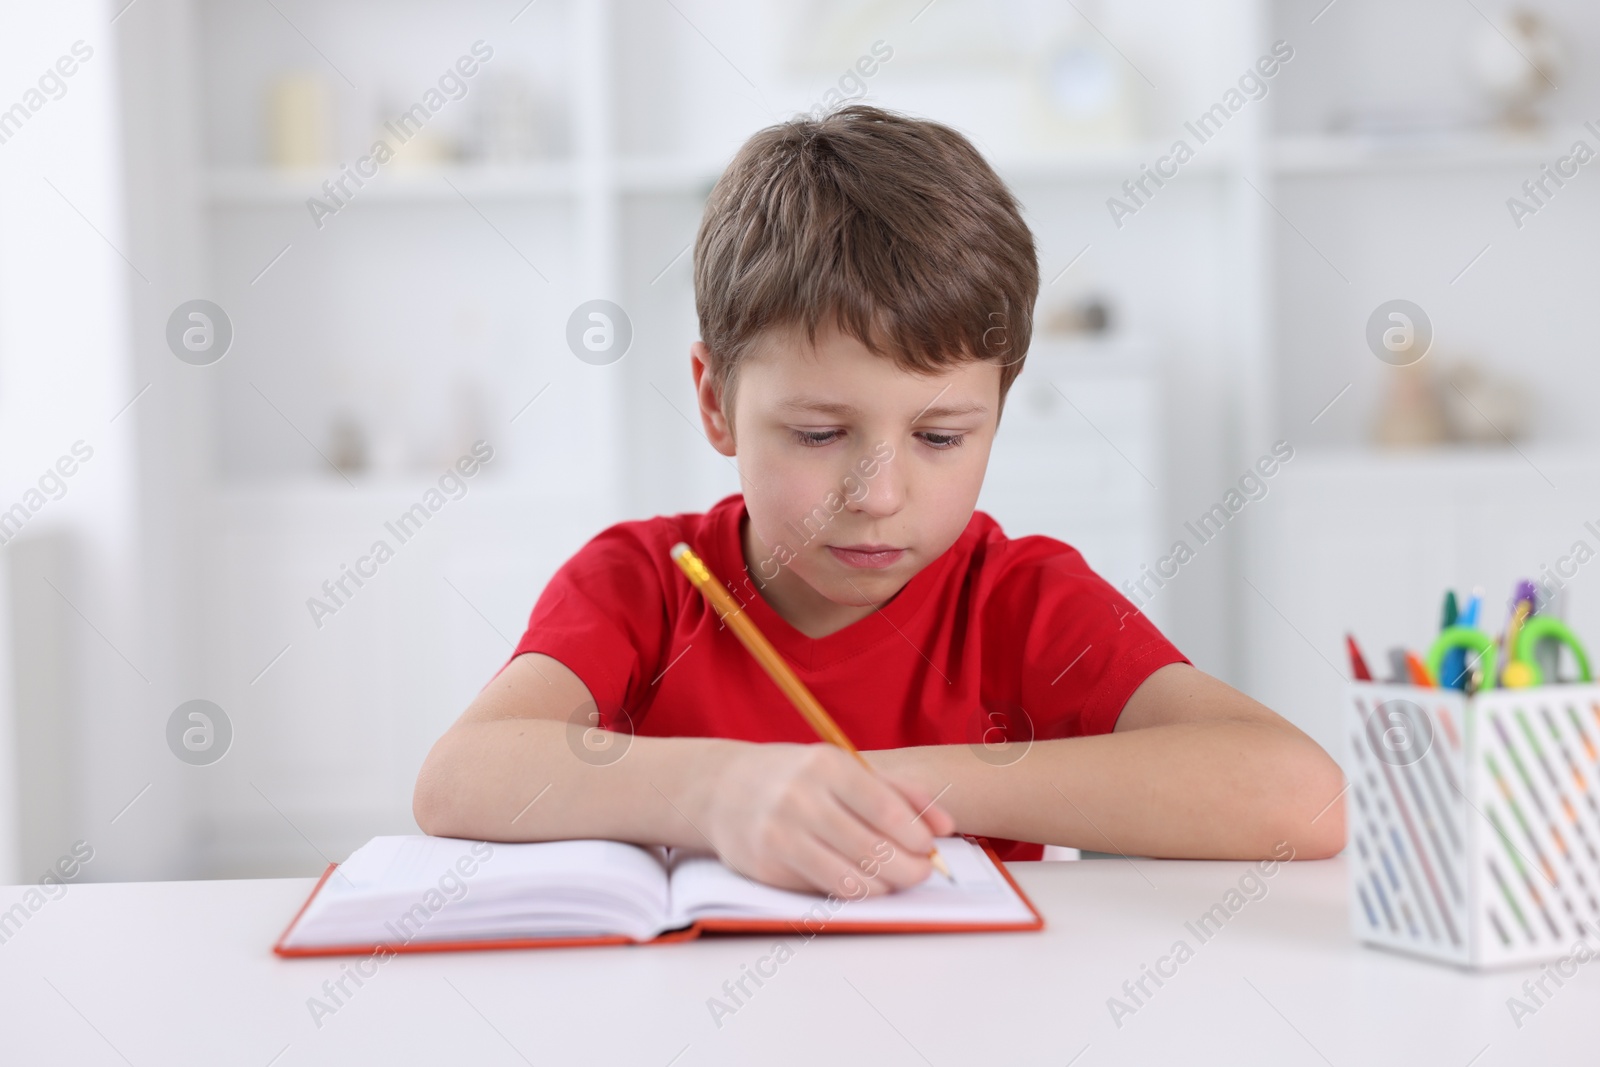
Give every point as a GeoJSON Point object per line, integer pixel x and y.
{"type": "Point", "coordinates": [940, 865]}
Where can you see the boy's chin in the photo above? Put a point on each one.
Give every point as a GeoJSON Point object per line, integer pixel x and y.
{"type": "Point", "coordinates": [858, 588]}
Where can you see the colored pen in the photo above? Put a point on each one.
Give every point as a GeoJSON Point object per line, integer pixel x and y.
{"type": "Point", "coordinates": [1399, 670]}
{"type": "Point", "coordinates": [1453, 670]}
{"type": "Point", "coordinates": [773, 663]}
{"type": "Point", "coordinates": [1417, 671]}
{"type": "Point", "coordinates": [1473, 681]}
{"type": "Point", "coordinates": [1358, 665]}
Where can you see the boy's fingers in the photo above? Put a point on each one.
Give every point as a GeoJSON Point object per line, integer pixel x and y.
{"type": "Point", "coordinates": [826, 871]}
{"type": "Point", "coordinates": [876, 858]}
{"type": "Point", "coordinates": [842, 830]}
{"type": "Point", "coordinates": [941, 822]}
{"type": "Point", "coordinates": [925, 807]}
{"type": "Point", "coordinates": [885, 810]}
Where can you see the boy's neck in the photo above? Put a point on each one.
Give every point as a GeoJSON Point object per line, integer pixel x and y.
{"type": "Point", "coordinates": [796, 602]}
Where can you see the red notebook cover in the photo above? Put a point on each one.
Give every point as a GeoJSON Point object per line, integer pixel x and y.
{"type": "Point", "coordinates": [704, 926]}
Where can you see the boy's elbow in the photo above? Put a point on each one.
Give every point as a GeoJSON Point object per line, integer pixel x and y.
{"type": "Point", "coordinates": [424, 812]}
{"type": "Point", "coordinates": [1313, 824]}
{"type": "Point", "coordinates": [1323, 837]}
{"type": "Point", "coordinates": [430, 799]}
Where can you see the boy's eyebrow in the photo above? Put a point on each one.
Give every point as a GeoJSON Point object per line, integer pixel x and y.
{"type": "Point", "coordinates": [827, 407]}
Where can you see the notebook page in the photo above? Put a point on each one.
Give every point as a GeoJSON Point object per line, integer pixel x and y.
{"type": "Point", "coordinates": [398, 889]}
{"type": "Point", "coordinates": [702, 888]}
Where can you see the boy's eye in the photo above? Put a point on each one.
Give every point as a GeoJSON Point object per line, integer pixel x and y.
{"type": "Point", "coordinates": [812, 438]}
{"type": "Point", "coordinates": [942, 440]}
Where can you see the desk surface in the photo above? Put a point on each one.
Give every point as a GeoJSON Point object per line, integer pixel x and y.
{"type": "Point", "coordinates": [180, 972]}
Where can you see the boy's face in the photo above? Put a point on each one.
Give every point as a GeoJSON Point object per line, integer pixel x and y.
{"type": "Point", "coordinates": [856, 473]}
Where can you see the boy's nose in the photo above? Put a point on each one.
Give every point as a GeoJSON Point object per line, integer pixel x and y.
{"type": "Point", "coordinates": [886, 491]}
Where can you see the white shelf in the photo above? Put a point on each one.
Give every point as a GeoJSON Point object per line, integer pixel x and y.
{"type": "Point", "coordinates": [1310, 155]}
{"type": "Point", "coordinates": [673, 174]}
{"type": "Point", "coordinates": [664, 174]}
{"type": "Point", "coordinates": [329, 490]}
{"type": "Point", "coordinates": [1316, 155]}
{"type": "Point", "coordinates": [1096, 162]}
{"type": "Point", "coordinates": [1448, 461]}
{"type": "Point", "coordinates": [252, 187]}
{"type": "Point", "coordinates": [668, 173]}
{"type": "Point", "coordinates": [258, 186]}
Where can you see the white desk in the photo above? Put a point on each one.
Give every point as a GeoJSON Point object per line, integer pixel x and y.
{"type": "Point", "coordinates": [179, 972]}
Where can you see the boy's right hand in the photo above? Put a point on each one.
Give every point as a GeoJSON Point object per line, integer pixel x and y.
{"type": "Point", "coordinates": [812, 818]}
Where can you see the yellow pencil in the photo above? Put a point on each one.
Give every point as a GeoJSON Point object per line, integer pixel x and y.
{"type": "Point", "coordinates": [777, 669]}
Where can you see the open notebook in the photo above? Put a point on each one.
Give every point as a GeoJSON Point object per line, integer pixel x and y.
{"type": "Point", "coordinates": [439, 893]}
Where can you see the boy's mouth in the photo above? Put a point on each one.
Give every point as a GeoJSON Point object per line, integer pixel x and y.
{"type": "Point", "coordinates": [871, 557]}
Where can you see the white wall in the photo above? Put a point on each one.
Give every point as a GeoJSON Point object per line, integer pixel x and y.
{"type": "Point", "coordinates": [65, 374]}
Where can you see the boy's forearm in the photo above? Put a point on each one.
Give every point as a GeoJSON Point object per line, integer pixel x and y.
{"type": "Point", "coordinates": [1219, 790]}
{"type": "Point", "coordinates": [536, 780]}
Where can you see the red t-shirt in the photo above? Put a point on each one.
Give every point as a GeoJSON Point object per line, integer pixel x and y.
{"type": "Point", "coordinates": [997, 642]}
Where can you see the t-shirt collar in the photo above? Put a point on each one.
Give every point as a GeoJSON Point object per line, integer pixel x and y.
{"type": "Point", "coordinates": [890, 621]}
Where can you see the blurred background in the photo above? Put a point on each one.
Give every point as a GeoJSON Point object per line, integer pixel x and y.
{"type": "Point", "coordinates": [270, 268]}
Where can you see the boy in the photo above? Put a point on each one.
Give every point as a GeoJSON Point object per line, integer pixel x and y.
{"type": "Point", "coordinates": [865, 287]}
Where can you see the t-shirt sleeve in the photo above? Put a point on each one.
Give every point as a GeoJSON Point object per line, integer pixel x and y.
{"type": "Point", "coordinates": [604, 616]}
{"type": "Point", "coordinates": [1077, 648]}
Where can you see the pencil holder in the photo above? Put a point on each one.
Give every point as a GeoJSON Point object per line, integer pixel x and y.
{"type": "Point", "coordinates": [1473, 822]}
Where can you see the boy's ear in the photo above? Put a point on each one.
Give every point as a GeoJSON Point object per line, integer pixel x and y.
{"type": "Point", "coordinates": [719, 427]}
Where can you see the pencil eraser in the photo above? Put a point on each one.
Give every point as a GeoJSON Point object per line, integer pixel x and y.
{"type": "Point", "coordinates": [679, 549]}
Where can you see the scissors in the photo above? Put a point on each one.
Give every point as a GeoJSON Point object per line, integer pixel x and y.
{"type": "Point", "coordinates": [1470, 639]}
{"type": "Point", "coordinates": [1523, 668]}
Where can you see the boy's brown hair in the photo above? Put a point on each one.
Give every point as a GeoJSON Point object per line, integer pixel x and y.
{"type": "Point", "coordinates": [895, 229]}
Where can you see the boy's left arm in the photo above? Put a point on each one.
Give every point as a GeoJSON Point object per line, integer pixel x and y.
{"type": "Point", "coordinates": [1194, 770]}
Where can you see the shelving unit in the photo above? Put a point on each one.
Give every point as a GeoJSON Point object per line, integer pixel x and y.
{"type": "Point", "coordinates": [1239, 298]}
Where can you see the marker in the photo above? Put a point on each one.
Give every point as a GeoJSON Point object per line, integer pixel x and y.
{"type": "Point", "coordinates": [1417, 671]}
{"type": "Point", "coordinates": [1358, 665]}
{"type": "Point", "coordinates": [1453, 671]}
{"type": "Point", "coordinates": [1400, 673]}
{"type": "Point", "coordinates": [1469, 617]}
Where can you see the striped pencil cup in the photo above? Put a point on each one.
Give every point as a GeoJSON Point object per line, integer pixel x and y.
{"type": "Point", "coordinates": [1474, 825]}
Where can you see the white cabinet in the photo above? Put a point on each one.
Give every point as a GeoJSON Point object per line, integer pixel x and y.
{"type": "Point", "coordinates": [1078, 456]}
{"type": "Point", "coordinates": [332, 713]}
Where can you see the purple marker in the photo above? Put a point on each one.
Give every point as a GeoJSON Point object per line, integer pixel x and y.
{"type": "Point", "coordinates": [1526, 591]}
